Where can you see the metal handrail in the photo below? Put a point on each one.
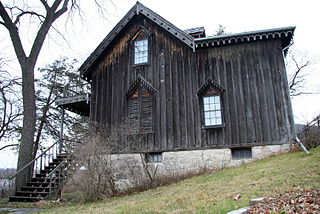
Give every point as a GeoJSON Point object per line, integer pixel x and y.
{"type": "Point", "coordinates": [35, 159]}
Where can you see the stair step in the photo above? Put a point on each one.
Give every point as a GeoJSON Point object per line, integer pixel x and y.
{"type": "Point", "coordinates": [28, 188]}
{"type": "Point", "coordinates": [63, 155]}
{"type": "Point", "coordinates": [43, 180]}
{"type": "Point", "coordinates": [32, 194]}
{"type": "Point", "coordinates": [39, 184]}
{"type": "Point", "coordinates": [24, 199]}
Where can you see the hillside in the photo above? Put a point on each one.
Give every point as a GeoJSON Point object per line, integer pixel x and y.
{"type": "Point", "coordinates": [214, 193]}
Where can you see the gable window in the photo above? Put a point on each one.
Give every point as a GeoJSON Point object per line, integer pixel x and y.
{"type": "Point", "coordinates": [211, 104]}
{"type": "Point", "coordinates": [141, 51]}
{"type": "Point", "coordinates": [212, 110]}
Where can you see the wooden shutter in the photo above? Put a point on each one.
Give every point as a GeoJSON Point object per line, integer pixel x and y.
{"type": "Point", "coordinates": [146, 111]}
{"type": "Point", "coordinates": [134, 111]}
{"type": "Point", "coordinates": [140, 110]}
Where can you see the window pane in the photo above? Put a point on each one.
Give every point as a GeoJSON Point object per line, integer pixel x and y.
{"type": "Point", "coordinates": [206, 107]}
{"type": "Point", "coordinates": [207, 122]}
{"type": "Point", "coordinates": [217, 106]}
{"type": "Point", "coordinates": [219, 121]}
{"type": "Point", "coordinates": [218, 114]}
{"type": "Point", "coordinates": [217, 99]}
{"type": "Point", "coordinates": [206, 100]}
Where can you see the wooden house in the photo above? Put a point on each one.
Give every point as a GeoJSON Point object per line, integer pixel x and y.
{"type": "Point", "coordinates": [191, 94]}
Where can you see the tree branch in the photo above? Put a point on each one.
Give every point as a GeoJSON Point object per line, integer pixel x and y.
{"type": "Point", "coordinates": [10, 145]}
{"type": "Point", "coordinates": [32, 13]}
{"type": "Point", "coordinates": [62, 10]}
{"type": "Point", "coordinates": [51, 16]}
{"type": "Point", "coordinates": [45, 4]}
{"type": "Point", "coordinates": [15, 38]}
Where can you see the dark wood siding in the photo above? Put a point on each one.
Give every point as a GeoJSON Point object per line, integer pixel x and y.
{"type": "Point", "coordinates": [256, 104]}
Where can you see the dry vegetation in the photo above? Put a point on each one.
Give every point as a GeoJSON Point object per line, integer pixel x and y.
{"type": "Point", "coordinates": [214, 193]}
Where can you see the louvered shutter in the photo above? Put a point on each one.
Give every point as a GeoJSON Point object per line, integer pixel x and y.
{"type": "Point", "coordinates": [146, 112]}
{"type": "Point", "coordinates": [134, 113]}
{"type": "Point", "coordinates": [140, 110]}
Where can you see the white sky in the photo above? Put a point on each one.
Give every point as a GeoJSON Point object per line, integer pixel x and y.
{"type": "Point", "coordinates": [237, 16]}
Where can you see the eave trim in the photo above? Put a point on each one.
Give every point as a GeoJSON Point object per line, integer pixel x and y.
{"type": "Point", "coordinates": [285, 33]}
{"type": "Point", "coordinates": [138, 82]}
{"type": "Point", "coordinates": [208, 83]}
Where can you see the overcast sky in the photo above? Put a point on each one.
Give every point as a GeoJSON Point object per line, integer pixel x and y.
{"type": "Point", "coordinates": [237, 16]}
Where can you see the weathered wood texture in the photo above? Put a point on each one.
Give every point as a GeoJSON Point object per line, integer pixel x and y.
{"type": "Point", "coordinates": [256, 103]}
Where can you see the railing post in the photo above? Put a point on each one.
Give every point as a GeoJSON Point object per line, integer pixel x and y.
{"type": "Point", "coordinates": [61, 131]}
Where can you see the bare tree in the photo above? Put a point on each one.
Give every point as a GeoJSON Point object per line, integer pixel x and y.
{"type": "Point", "coordinates": [10, 109]}
{"type": "Point", "coordinates": [12, 14]}
{"type": "Point", "coordinates": [297, 66]}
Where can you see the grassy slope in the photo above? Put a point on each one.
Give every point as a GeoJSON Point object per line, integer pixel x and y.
{"type": "Point", "coordinates": [214, 193]}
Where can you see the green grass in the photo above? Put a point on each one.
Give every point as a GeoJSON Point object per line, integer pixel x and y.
{"type": "Point", "coordinates": [214, 193]}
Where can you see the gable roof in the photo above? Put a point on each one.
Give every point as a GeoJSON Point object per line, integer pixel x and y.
{"type": "Point", "coordinates": [136, 10]}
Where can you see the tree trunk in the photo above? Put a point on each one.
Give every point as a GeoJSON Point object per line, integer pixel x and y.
{"type": "Point", "coordinates": [28, 129]}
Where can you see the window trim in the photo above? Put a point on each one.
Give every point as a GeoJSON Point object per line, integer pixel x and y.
{"type": "Point", "coordinates": [212, 110]}
{"type": "Point", "coordinates": [204, 126]}
{"type": "Point", "coordinates": [134, 52]}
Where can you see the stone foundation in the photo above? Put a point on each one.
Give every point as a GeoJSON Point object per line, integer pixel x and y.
{"type": "Point", "coordinates": [130, 170]}
{"type": "Point", "coordinates": [186, 162]}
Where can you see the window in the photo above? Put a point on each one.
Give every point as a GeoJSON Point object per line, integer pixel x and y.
{"type": "Point", "coordinates": [154, 157]}
{"type": "Point", "coordinates": [141, 51]}
{"type": "Point", "coordinates": [241, 153]}
{"type": "Point", "coordinates": [140, 110]}
{"type": "Point", "coordinates": [212, 110]}
{"type": "Point", "coordinates": [211, 104]}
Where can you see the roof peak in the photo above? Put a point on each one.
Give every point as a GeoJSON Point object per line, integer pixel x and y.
{"type": "Point", "coordinates": [136, 10]}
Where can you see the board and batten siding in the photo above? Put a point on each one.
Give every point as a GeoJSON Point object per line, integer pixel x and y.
{"type": "Point", "coordinates": [256, 103]}
{"type": "Point", "coordinates": [257, 108]}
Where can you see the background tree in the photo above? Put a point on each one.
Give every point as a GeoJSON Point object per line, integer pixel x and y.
{"type": "Point", "coordinates": [12, 14]}
{"type": "Point", "coordinates": [10, 108]}
{"type": "Point", "coordinates": [55, 77]}
{"type": "Point", "coordinates": [298, 67]}
{"type": "Point", "coordinates": [221, 31]}
{"type": "Point", "coordinates": [15, 16]}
